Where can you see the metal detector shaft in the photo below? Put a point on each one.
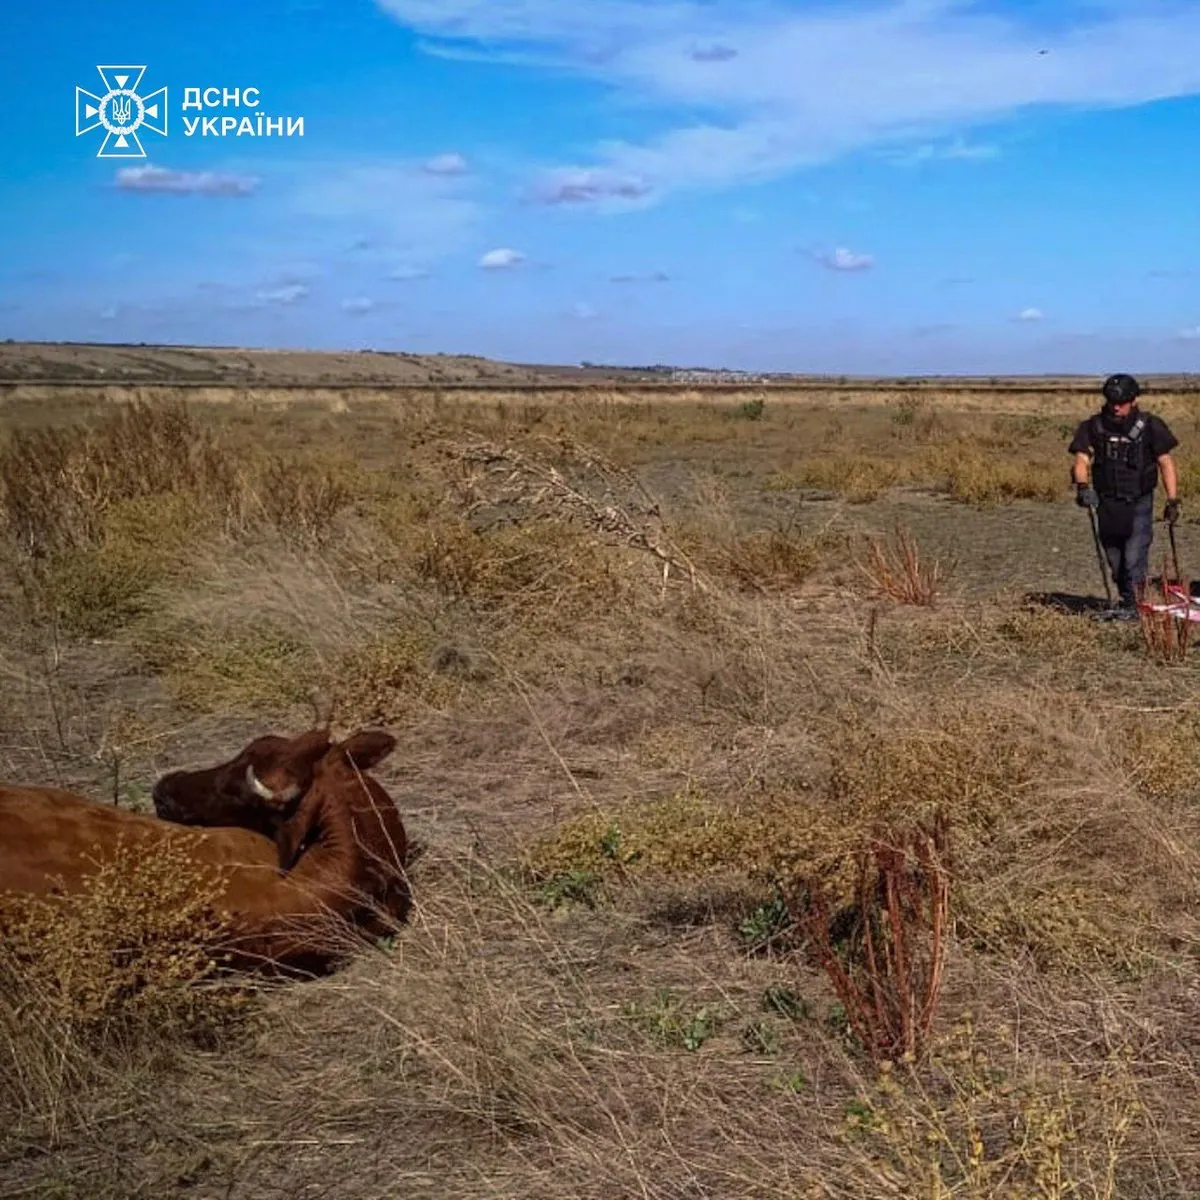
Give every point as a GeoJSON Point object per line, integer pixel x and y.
{"type": "Point", "coordinates": [1174, 551]}
{"type": "Point", "coordinates": [1100, 554]}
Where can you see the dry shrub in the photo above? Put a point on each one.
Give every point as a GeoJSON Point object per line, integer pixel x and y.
{"type": "Point", "coordinates": [973, 477]}
{"type": "Point", "coordinates": [243, 666]}
{"type": "Point", "coordinates": [983, 1121]}
{"type": "Point", "coordinates": [562, 479]}
{"type": "Point", "coordinates": [300, 496]}
{"type": "Point", "coordinates": [765, 560]}
{"type": "Point", "coordinates": [895, 570]}
{"type": "Point", "coordinates": [915, 419]}
{"type": "Point", "coordinates": [57, 485]}
{"type": "Point", "coordinates": [969, 767]}
{"type": "Point", "coordinates": [888, 971]}
{"type": "Point", "coordinates": [93, 588]}
{"type": "Point", "coordinates": [1009, 786]}
{"type": "Point", "coordinates": [865, 875]}
{"type": "Point", "coordinates": [1161, 754]}
{"type": "Point", "coordinates": [129, 957]}
{"type": "Point", "coordinates": [1049, 634]}
{"type": "Point", "coordinates": [859, 479]}
{"type": "Point", "coordinates": [543, 573]}
{"type": "Point", "coordinates": [397, 674]}
{"type": "Point", "coordinates": [1005, 782]}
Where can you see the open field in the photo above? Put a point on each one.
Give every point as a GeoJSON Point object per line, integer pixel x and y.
{"type": "Point", "coordinates": [653, 679]}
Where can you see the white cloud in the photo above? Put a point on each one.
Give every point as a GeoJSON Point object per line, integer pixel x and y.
{"type": "Point", "coordinates": [584, 185]}
{"type": "Point", "coordinates": [841, 259]}
{"type": "Point", "coordinates": [501, 259]}
{"type": "Point", "coordinates": [109, 313]}
{"type": "Point", "coordinates": [149, 178]}
{"type": "Point", "coordinates": [445, 164]}
{"type": "Point", "coordinates": [956, 150]}
{"type": "Point", "coordinates": [582, 311]}
{"type": "Point", "coordinates": [358, 306]}
{"type": "Point", "coordinates": [289, 293]}
{"type": "Point", "coordinates": [1030, 314]}
{"type": "Point", "coordinates": [904, 71]}
{"type": "Point", "coordinates": [1191, 334]}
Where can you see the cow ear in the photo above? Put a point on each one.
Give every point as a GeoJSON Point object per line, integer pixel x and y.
{"type": "Point", "coordinates": [310, 746]}
{"type": "Point", "coordinates": [367, 748]}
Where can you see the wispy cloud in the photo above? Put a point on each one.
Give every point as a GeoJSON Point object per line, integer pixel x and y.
{"type": "Point", "coordinates": [581, 310]}
{"type": "Point", "coordinates": [289, 293]}
{"type": "Point", "coordinates": [646, 277]}
{"type": "Point", "coordinates": [501, 259]}
{"type": "Point", "coordinates": [586, 185]}
{"type": "Point", "coordinates": [1030, 314]}
{"type": "Point", "coordinates": [358, 306]}
{"type": "Point", "coordinates": [1191, 334]}
{"type": "Point", "coordinates": [394, 206]}
{"type": "Point", "coordinates": [906, 72]}
{"type": "Point", "coordinates": [408, 274]}
{"type": "Point", "coordinates": [842, 259]}
{"type": "Point", "coordinates": [958, 149]}
{"type": "Point", "coordinates": [445, 164]}
{"type": "Point", "coordinates": [149, 178]}
{"type": "Point", "coordinates": [714, 54]}
{"type": "Point", "coordinates": [937, 329]}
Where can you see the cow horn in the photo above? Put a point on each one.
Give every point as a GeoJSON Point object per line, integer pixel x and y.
{"type": "Point", "coordinates": [259, 788]}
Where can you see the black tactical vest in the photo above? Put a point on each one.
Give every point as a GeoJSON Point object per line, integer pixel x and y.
{"type": "Point", "coordinates": [1123, 467]}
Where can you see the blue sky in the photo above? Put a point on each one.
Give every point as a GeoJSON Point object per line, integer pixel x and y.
{"type": "Point", "coordinates": [886, 186]}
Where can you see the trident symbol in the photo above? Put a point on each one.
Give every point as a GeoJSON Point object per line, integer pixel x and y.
{"type": "Point", "coordinates": [122, 112]}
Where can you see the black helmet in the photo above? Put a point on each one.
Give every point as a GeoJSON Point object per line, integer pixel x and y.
{"type": "Point", "coordinates": [1121, 389]}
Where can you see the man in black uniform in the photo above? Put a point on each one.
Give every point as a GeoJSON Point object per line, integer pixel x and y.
{"type": "Point", "coordinates": [1126, 450]}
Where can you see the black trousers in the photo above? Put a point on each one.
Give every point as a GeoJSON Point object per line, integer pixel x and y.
{"type": "Point", "coordinates": [1126, 531]}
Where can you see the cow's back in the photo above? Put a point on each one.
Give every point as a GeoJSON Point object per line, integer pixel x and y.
{"type": "Point", "coordinates": [52, 839]}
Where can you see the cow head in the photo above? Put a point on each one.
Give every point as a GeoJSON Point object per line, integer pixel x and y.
{"type": "Point", "coordinates": [256, 789]}
{"type": "Point", "coordinates": [349, 813]}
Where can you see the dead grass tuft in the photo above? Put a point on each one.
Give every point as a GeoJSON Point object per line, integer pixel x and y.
{"type": "Point", "coordinates": [858, 478]}
{"type": "Point", "coordinates": [128, 958]}
{"type": "Point", "coordinates": [764, 561]}
{"type": "Point", "coordinates": [895, 570]}
{"type": "Point", "coordinates": [243, 667]}
{"type": "Point", "coordinates": [971, 476]}
{"type": "Point", "coordinates": [58, 484]}
{"type": "Point", "coordinates": [982, 1122]}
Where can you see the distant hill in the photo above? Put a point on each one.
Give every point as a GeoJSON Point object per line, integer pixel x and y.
{"type": "Point", "coordinates": [85, 363]}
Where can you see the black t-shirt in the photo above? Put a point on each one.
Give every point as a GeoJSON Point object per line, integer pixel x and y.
{"type": "Point", "coordinates": [1159, 438]}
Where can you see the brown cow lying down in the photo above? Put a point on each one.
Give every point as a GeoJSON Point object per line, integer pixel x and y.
{"type": "Point", "coordinates": [347, 844]}
{"type": "Point", "coordinates": [256, 789]}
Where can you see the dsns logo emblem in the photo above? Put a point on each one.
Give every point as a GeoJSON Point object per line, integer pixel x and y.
{"type": "Point", "coordinates": [121, 111]}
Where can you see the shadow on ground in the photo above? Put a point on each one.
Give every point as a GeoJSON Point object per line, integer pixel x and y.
{"type": "Point", "coordinates": [1067, 602]}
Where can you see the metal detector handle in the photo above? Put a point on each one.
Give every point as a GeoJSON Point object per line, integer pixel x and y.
{"type": "Point", "coordinates": [1100, 554]}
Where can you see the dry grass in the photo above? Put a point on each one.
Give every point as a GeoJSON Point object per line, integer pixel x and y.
{"type": "Point", "coordinates": [129, 961]}
{"type": "Point", "coordinates": [895, 570]}
{"type": "Point", "coordinates": [641, 708]}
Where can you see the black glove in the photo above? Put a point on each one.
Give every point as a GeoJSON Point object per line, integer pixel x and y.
{"type": "Point", "coordinates": [1085, 496]}
{"type": "Point", "coordinates": [1171, 512]}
